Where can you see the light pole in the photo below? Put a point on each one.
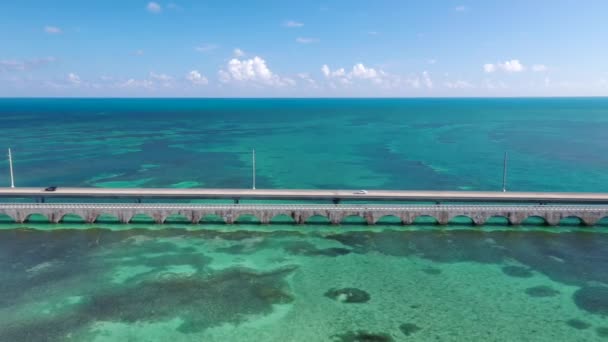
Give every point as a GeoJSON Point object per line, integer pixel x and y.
{"type": "Point", "coordinates": [504, 174]}
{"type": "Point", "coordinates": [10, 165]}
{"type": "Point", "coordinates": [253, 167]}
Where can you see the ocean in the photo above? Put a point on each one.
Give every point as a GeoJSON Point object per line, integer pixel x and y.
{"type": "Point", "coordinates": [249, 282]}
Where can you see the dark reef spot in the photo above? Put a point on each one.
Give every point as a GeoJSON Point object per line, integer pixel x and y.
{"type": "Point", "coordinates": [593, 299]}
{"type": "Point", "coordinates": [309, 249]}
{"type": "Point", "coordinates": [431, 271]}
{"type": "Point", "coordinates": [227, 296]}
{"type": "Point", "coordinates": [415, 306]}
{"type": "Point", "coordinates": [541, 291]}
{"type": "Point", "coordinates": [362, 336]}
{"type": "Point", "coordinates": [602, 331]}
{"type": "Point", "coordinates": [517, 271]}
{"type": "Point", "coordinates": [409, 328]}
{"type": "Point", "coordinates": [578, 324]}
{"type": "Point", "coordinates": [348, 295]}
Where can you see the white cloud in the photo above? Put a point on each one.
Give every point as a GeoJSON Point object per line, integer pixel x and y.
{"type": "Point", "coordinates": [513, 65]}
{"type": "Point", "coordinates": [160, 77]}
{"type": "Point", "coordinates": [24, 65]}
{"type": "Point", "coordinates": [426, 79]}
{"type": "Point", "coordinates": [52, 30]}
{"type": "Point", "coordinates": [360, 71]}
{"type": "Point", "coordinates": [153, 7]}
{"type": "Point", "coordinates": [238, 52]}
{"type": "Point", "coordinates": [306, 77]}
{"type": "Point", "coordinates": [304, 40]}
{"type": "Point", "coordinates": [489, 68]}
{"type": "Point", "coordinates": [133, 83]}
{"type": "Point", "coordinates": [432, 61]}
{"type": "Point", "coordinates": [292, 24]}
{"type": "Point", "coordinates": [206, 48]}
{"type": "Point", "coordinates": [74, 78]}
{"type": "Point", "coordinates": [539, 68]}
{"type": "Point", "coordinates": [196, 78]}
{"type": "Point", "coordinates": [458, 85]}
{"type": "Point", "coordinates": [252, 70]}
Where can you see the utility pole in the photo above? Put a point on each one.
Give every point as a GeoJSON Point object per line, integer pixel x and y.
{"type": "Point", "coordinates": [10, 165]}
{"type": "Point", "coordinates": [253, 168]}
{"type": "Point", "coordinates": [504, 174]}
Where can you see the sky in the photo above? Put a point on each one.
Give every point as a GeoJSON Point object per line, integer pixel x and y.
{"type": "Point", "coordinates": [283, 48]}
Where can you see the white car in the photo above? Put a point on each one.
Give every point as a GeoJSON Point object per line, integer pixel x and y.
{"type": "Point", "coordinates": [360, 192]}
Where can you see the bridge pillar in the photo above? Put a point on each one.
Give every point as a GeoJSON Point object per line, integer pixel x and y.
{"type": "Point", "coordinates": [516, 218]}
{"type": "Point", "coordinates": [370, 218]}
{"type": "Point", "coordinates": [159, 217]}
{"type": "Point", "coordinates": [265, 217]}
{"type": "Point", "coordinates": [552, 219]}
{"type": "Point", "coordinates": [590, 219]}
{"type": "Point", "coordinates": [335, 217]}
{"type": "Point", "coordinates": [124, 216]}
{"type": "Point", "coordinates": [90, 217]}
{"type": "Point", "coordinates": [479, 219]}
{"type": "Point", "coordinates": [407, 218]}
{"type": "Point", "coordinates": [228, 218]}
{"type": "Point", "coordinates": [194, 216]}
{"type": "Point", "coordinates": [443, 218]}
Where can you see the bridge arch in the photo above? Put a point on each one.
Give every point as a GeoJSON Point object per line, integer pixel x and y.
{"type": "Point", "coordinates": [248, 218]}
{"type": "Point", "coordinates": [497, 220]}
{"type": "Point", "coordinates": [535, 220]}
{"type": "Point", "coordinates": [282, 218]}
{"type": "Point", "coordinates": [6, 218]}
{"type": "Point", "coordinates": [177, 218]}
{"type": "Point", "coordinates": [317, 219]}
{"type": "Point", "coordinates": [142, 218]}
{"type": "Point", "coordinates": [353, 219]}
{"type": "Point", "coordinates": [72, 218]}
{"type": "Point", "coordinates": [212, 218]}
{"type": "Point", "coordinates": [425, 220]}
{"type": "Point", "coordinates": [389, 219]}
{"type": "Point", "coordinates": [571, 220]}
{"type": "Point", "coordinates": [461, 220]}
{"type": "Point", "coordinates": [603, 221]}
{"type": "Point", "coordinates": [37, 218]}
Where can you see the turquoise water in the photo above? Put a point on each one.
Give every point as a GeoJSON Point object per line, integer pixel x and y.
{"type": "Point", "coordinates": [146, 282]}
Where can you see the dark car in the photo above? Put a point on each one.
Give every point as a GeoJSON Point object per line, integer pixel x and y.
{"type": "Point", "coordinates": [51, 188]}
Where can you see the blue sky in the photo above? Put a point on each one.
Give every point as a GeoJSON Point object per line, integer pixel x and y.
{"type": "Point", "coordinates": [303, 48]}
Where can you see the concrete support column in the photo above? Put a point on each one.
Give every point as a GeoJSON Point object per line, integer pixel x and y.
{"type": "Point", "coordinates": [194, 216]}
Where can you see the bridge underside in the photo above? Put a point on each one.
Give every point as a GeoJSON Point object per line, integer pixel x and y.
{"type": "Point", "coordinates": [334, 214]}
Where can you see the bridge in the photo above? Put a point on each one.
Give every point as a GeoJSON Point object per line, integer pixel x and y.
{"type": "Point", "coordinates": [302, 213]}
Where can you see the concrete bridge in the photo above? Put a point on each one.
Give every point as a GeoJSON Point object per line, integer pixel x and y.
{"type": "Point", "coordinates": [335, 214]}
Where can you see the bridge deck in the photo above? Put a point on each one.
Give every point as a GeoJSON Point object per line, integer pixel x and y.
{"type": "Point", "coordinates": [294, 194]}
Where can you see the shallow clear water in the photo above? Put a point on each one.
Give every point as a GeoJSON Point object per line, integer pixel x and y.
{"type": "Point", "coordinates": [146, 282]}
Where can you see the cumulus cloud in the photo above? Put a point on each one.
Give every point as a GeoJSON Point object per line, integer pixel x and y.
{"type": "Point", "coordinates": [539, 68]}
{"type": "Point", "coordinates": [513, 65]}
{"type": "Point", "coordinates": [24, 65]}
{"type": "Point", "coordinates": [305, 40]}
{"type": "Point", "coordinates": [238, 52]}
{"type": "Point", "coordinates": [52, 30]}
{"type": "Point", "coordinates": [73, 78]}
{"type": "Point", "coordinates": [358, 72]}
{"type": "Point", "coordinates": [160, 77]}
{"type": "Point", "coordinates": [292, 24]}
{"type": "Point", "coordinates": [133, 83]}
{"type": "Point", "coordinates": [206, 48]}
{"type": "Point", "coordinates": [489, 68]}
{"type": "Point", "coordinates": [458, 85]}
{"type": "Point", "coordinates": [426, 79]}
{"type": "Point", "coordinates": [153, 7]}
{"type": "Point", "coordinates": [252, 70]}
{"type": "Point", "coordinates": [307, 79]}
{"type": "Point", "coordinates": [196, 78]}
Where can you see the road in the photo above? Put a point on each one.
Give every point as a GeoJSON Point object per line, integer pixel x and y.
{"type": "Point", "coordinates": [312, 195]}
